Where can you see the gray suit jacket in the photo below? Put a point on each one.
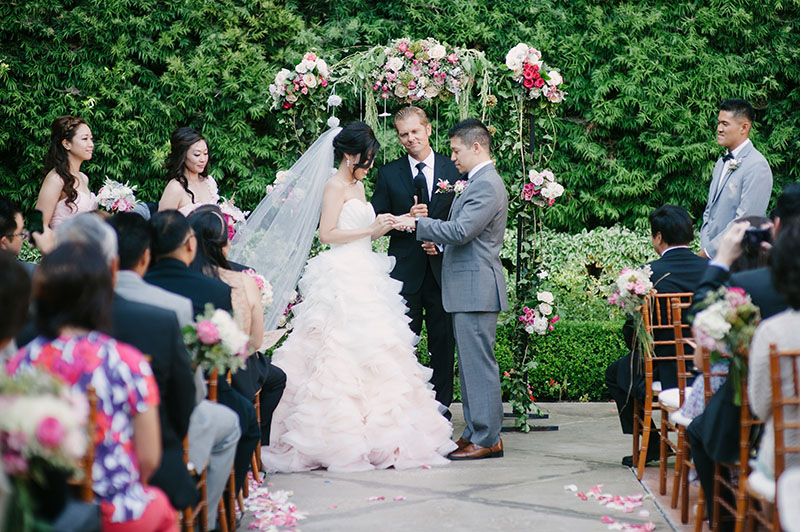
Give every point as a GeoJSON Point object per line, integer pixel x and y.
{"type": "Point", "coordinates": [472, 275]}
{"type": "Point", "coordinates": [745, 191]}
{"type": "Point", "coordinates": [134, 288]}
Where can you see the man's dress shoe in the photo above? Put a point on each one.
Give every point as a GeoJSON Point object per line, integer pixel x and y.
{"type": "Point", "coordinates": [461, 443]}
{"type": "Point", "coordinates": [476, 452]}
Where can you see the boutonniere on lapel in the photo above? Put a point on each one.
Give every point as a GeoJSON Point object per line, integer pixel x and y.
{"type": "Point", "coordinates": [733, 165]}
{"type": "Point", "coordinates": [445, 187]}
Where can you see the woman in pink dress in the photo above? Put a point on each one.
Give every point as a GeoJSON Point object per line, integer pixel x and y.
{"type": "Point", "coordinates": [65, 189]}
{"type": "Point", "coordinates": [188, 182]}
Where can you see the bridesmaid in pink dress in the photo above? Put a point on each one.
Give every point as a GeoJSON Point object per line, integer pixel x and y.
{"type": "Point", "coordinates": [188, 182]}
{"type": "Point", "coordinates": [65, 189]}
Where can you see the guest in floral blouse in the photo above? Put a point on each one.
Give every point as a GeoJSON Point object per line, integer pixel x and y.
{"type": "Point", "coordinates": [72, 290]}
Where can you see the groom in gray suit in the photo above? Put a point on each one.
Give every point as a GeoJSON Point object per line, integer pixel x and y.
{"type": "Point", "coordinates": [742, 180]}
{"type": "Point", "coordinates": [473, 285]}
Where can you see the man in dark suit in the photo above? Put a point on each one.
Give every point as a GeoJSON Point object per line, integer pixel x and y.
{"type": "Point", "coordinates": [12, 231]}
{"type": "Point", "coordinates": [409, 184]}
{"type": "Point", "coordinates": [173, 248]}
{"type": "Point", "coordinates": [714, 434]}
{"type": "Point", "coordinates": [678, 270]}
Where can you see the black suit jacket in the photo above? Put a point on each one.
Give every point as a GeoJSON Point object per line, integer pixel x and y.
{"type": "Point", "coordinates": [155, 332]}
{"type": "Point", "coordinates": [175, 276]}
{"type": "Point", "coordinates": [757, 283]}
{"type": "Point", "coordinates": [678, 270]}
{"type": "Point", "coordinates": [394, 193]}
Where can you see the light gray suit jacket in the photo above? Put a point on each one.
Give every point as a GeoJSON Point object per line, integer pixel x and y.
{"type": "Point", "coordinates": [472, 275]}
{"type": "Point", "coordinates": [744, 191]}
{"type": "Point", "coordinates": [134, 288]}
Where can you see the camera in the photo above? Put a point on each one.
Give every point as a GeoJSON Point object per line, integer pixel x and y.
{"type": "Point", "coordinates": [753, 237]}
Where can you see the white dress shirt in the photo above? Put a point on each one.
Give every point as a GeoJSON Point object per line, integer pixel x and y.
{"type": "Point", "coordinates": [427, 171]}
{"type": "Point", "coordinates": [477, 167]}
{"type": "Point", "coordinates": [727, 163]}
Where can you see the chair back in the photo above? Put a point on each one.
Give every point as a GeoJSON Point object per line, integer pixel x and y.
{"type": "Point", "coordinates": [708, 375]}
{"type": "Point", "coordinates": [785, 381]}
{"type": "Point", "coordinates": [662, 315]}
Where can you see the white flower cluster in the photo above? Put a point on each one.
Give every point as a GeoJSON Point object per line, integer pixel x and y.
{"type": "Point", "coordinates": [116, 197]}
{"type": "Point", "coordinates": [631, 287]}
{"type": "Point", "coordinates": [289, 87]}
{"type": "Point", "coordinates": [537, 320]}
{"type": "Point", "coordinates": [232, 338]}
{"type": "Point", "coordinates": [227, 206]}
{"type": "Point", "coordinates": [710, 326]}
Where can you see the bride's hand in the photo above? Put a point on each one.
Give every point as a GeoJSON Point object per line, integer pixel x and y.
{"type": "Point", "coordinates": [405, 223]}
{"type": "Point", "coordinates": [383, 224]}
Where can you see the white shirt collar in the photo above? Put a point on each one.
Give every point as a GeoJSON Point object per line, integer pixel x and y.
{"type": "Point", "coordinates": [739, 148]}
{"type": "Point", "coordinates": [478, 167]}
{"type": "Point", "coordinates": [671, 248]}
{"type": "Point", "coordinates": [429, 162]}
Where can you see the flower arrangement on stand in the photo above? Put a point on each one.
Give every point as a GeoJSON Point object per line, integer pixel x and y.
{"type": "Point", "coordinates": [216, 341]}
{"type": "Point", "coordinates": [43, 437]}
{"type": "Point", "coordinates": [116, 197]}
{"type": "Point", "coordinates": [725, 327]}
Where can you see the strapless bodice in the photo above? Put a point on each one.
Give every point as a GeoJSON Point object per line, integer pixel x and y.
{"type": "Point", "coordinates": [356, 213]}
{"type": "Point", "coordinates": [85, 202]}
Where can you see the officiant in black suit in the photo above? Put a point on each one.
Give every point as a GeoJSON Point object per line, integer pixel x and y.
{"type": "Point", "coordinates": [405, 185]}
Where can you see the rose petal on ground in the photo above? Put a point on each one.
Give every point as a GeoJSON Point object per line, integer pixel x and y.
{"type": "Point", "coordinates": [571, 487]}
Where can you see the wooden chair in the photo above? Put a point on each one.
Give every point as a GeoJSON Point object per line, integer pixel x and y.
{"type": "Point", "coordinates": [784, 373]}
{"type": "Point", "coordinates": [84, 480]}
{"type": "Point", "coordinates": [657, 318]}
{"type": "Point", "coordinates": [198, 514]}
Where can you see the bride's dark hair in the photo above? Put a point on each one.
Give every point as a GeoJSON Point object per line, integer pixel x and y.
{"type": "Point", "coordinates": [211, 231]}
{"type": "Point", "coordinates": [356, 138]}
{"type": "Point", "coordinates": [181, 140]}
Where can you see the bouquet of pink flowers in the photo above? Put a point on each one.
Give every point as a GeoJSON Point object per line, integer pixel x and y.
{"type": "Point", "coordinates": [725, 327]}
{"type": "Point", "coordinates": [542, 188]}
{"type": "Point", "coordinates": [116, 197]}
{"type": "Point", "coordinates": [264, 287]}
{"type": "Point", "coordinates": [215, 340]}
{"type": "Point", "coordinates": [540, 319]}
{"type": "Point", "coordinates": [536, 78]}
{"type": "Point", "coordinates": [630, 291]}
{"type": "Point", "coordinates": [233, 215]}
{"type": "Point", "coordinates": [290, 87]}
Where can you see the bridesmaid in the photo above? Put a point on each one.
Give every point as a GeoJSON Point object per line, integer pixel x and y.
{"type": "Point", "coordinates": [188, 182]}
{"type": "Point", "coordinates": [65, 189]}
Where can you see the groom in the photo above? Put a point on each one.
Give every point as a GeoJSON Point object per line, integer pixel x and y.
{"type": "Point", "coordinates": [473, 285]}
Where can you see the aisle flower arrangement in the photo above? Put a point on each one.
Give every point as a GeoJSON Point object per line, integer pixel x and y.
{"type": "Point", "coordinates": [292, 86]}
{"type": "Point", "coordinates": [264, 287]}
{"type": "Point", "coordinates": [116, 197]}
{"type": "Point", "coordinates": [215, 340]}
{"type": "Point", "coordinates": [629, 292]}
{"type": "Point", "coordinates": [725, 327]}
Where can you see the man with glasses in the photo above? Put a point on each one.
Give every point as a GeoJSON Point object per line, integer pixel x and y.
{"type": "Point", "coordinates": [12, 231]}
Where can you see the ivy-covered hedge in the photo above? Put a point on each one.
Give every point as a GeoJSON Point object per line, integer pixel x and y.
{"type": "Point", "coordinates": [636, 131]}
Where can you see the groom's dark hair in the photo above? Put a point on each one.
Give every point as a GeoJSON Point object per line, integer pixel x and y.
{"type": "Point", "coordinates": [169, 231]}
{"type": "Point", "coordinates": [471, 131]}
{"type": "Point", "coordinates": [674, 224]}
{"type": "Point", "coordinates": [739, 108]}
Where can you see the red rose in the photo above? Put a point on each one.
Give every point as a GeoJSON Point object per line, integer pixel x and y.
{"type": "Point", "coordinates": [538, 83]}
{"type": "Point", "coordinates": [528, 83]}
{"type": "Point", "coordinates": [536, 75]}
{"type": "Point", "coordinates": [529, 74]}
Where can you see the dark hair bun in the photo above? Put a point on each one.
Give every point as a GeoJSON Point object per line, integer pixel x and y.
{"type": "Point", "coordinates": [356, 138]}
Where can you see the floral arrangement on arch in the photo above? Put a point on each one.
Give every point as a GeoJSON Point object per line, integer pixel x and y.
{"type": "Point", "coordinates": [725, 327]}
{"type": "Point", "coordinates": [542, 189]}
{"type": "Point", "coordinates": [215, 340]}
{"type": "Point", "coordinates": [541, 318]}
{"type": "Point", "coordinates": [533, 76]}
{"type": "Point", "coordinates": [290, 87]}
{"type": "Point", "coordinates": [116, 197]}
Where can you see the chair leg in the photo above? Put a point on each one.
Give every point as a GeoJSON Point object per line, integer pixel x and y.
{"type": "Point", "coordinates": [663, 455]}
{"type": "Point", "coordinates": [681, 470]}
{"type": "Point", "coordinates": [685, 493]}
{"type": "Point", "coordinates": [222, 517]}
{"type": "Point", "coordinates": [646, 422]}
{"type": "Point", "coordinates": [231, 502]}
{"type": "Point", "coordinates": [700, 515]}
{"type": "Point", "coordinates": [637, 431]}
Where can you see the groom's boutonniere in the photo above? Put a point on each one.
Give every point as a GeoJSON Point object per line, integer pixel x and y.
{"type": "Point", "coordinates": [445, 187]}
{"type": "Point", "coordinates": [734, 164]}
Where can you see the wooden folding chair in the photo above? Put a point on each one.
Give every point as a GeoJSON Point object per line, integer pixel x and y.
{"type": "Point", "coordinates": [657, 319]}
{"type": "Point", "coordinates": [198, 514]}
{"type": "Point", "coordinates": [785, 383]}
{"type": "Point", "coordinates": [84, 480]}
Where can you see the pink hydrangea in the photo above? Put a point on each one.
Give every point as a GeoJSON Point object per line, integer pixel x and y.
{"type": "Point", "coordinates": [207, 333]}
{"type": "Point", "coordinates": [50, 432]}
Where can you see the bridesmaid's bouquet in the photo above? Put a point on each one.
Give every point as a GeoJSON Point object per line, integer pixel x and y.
{"type": "Point", "coordinates": [215, 340]}
{"type": "Point", "coordinates": [233, 215]}
{"type": "Point", "coordinates": [116, 197]}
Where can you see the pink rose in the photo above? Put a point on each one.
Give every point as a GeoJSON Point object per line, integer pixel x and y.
{"type": "Point", "coordinates": [50, 432]}
{"type": "Point", "coordinates": [304, 90]}
{"type": "Point", "coordinates": [527, 192]}
{"type": "Point", "coordinates": [207, 333]}
{"type": "Point", "coordinates": [539, 83]}
{"type": "Point", "coordinates": [385, 95]}
{"type": "Point", "coordinates": [638, 287]}
{"type": "Point", "coordinates": [286, 105]}
{"type": "Point", "coordinates": [403, 47]}
{"type": "Point", "coordinates": [14, 463]}
{"type": "Point", "coordinates": [612, 299]}
{"type": "Point", "coordinates": [550, 202]}
{"type": "Point", "coordinates": [554, 319]}
{"type": "Point", "coordinates": [324, 82]}
{"type": "Point", "coordinates": [452, 58]}
{"type": "Point", "coordinates": [415, 61]}
{"type": "Point", "coordinates": [412, 85]}
{"type": "Point", "coordinates": [409, 55]}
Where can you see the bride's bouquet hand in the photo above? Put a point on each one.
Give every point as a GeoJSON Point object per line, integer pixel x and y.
{"type": "Point", "coordinates": [383, 224]}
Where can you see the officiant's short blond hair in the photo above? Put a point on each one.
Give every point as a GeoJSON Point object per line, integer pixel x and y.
{"type": "Point", "coordinates": [407, 112]}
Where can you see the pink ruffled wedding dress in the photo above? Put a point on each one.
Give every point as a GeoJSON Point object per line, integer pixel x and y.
{"type": "Point", "coordinates": [356, 398]}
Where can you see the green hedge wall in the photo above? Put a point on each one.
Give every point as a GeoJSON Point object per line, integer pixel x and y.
{"type": "Point", "coordinates": [644, 80]}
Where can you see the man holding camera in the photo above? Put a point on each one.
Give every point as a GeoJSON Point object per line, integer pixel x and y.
{"type": "Point", "coordinates": [742, 180]}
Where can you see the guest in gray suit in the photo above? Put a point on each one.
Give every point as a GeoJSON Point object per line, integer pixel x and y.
{"type": "Point", "coordinates": [742, 180]}
{"type": "Point", "coordinates": [473, 284]}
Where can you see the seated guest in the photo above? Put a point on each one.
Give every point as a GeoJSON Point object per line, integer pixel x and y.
{"type": "Point", "coordinates": [781, 330]}
{"type": "Point", "coordinates": [678, 270]}
{"type": "Point", "coordinates": [213, 428]}
{"type": "Point", "coordinates": [173, 247]}
{"type": "Point", "coordinates": [12, 231]}
{"type": "Point", "coordinates": [212, 259]}
{"type": "Point", "coordinates": [72, 291]}
{"type": "Point", "coordinates": [169, 358]}
{"type": "Point", "coordinates": [15, 293]}
{"type": "Point", "coordinates": [714, 434]}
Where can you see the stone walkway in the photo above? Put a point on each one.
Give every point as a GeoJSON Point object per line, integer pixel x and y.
{"type": "Point", "coordinates": [522, 491]}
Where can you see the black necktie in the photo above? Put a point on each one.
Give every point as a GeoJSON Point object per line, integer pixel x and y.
{"type": "Point", "coordinates": [727, 157]}
{"type": "Point", "coordinates": [421, 184]}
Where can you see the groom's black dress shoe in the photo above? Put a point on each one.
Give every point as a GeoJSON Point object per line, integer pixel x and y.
{"type": "Point", "coordinates": [476, 452]}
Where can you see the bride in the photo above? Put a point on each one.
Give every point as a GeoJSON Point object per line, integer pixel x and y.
{"type": "Point", "coordinates": [356, 398]}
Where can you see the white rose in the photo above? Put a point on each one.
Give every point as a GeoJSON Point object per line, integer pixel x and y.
{"type": "Point", "coordinates": [545, 297]}
{"type": "Point", "coordinates": [291, 97]}
{"type": "Point", "coordinates": [540, 325]}
{"type": "Point", "coordinates": [437, 52]}
{"type": "Point", "coordinates": [555, 78]}
{"type": "Point", "coordinates": [432, 92]}
{"type": "Point", "coordinates": [310, 80]}
{"type": "Point", "coordinates": [394, 64]}
{"type": "Point", "coordinates": [545, 309]}
{"type": "Point", "coordinates": [301, 67]}
{"type": "Point", "coordinates": [401, 91]}
{"type": "Point", "coordinates": [515, 56]}
{"type": "Point", "coordinates": [422, 82]}
{"type": "Point", "coordinates": [334, 100]}
{"type": "Point", "coordinates": [529, 329]}
{"type": "Point", "coordinates": [322, 68]}
{"type": "Point", "coordinates": [552, 190]}
{"type": "Point", "coordinates": [309, 64]}
{"type": "Point", "coordinates": [282, 76]}
{"type": "Point", "coordinates": [333, 122]}
{"type": "Point", "coordinates": [281, 176]}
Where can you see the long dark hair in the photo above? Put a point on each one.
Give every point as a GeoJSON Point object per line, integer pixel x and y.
{"type": "Point", "coordinates": [63, 128]}
{"type": "Point", "coordinates": [356, 138]}
{"type": "Point", "coordinates": [72, 286]}
{"type": "Point", "coordinates": [180, 142]}
{"type": "Point", "coordinates": [211, 231]}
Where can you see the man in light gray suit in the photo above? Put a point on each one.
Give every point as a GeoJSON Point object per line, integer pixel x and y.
{"type": "Point", "coordinates": [742, 180]}
{"type": "Point", "coordinates": [473, 284]}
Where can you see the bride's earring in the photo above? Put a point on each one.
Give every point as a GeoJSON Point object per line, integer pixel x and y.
{"type": "Point", "coordinates": [348, 163]}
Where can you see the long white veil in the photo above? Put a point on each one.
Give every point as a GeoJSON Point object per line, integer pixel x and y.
{"type": "Point", "coordinates": [277, 236]}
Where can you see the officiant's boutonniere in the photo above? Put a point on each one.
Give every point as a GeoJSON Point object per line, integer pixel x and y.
{"type": "Point", "coordinates": [445, 187]}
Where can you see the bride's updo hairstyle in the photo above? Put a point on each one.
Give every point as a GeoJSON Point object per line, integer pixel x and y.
{"type": "Point", "coordinates": [356, 138]}
{"type": "Point", "coordinates": [211, 231]}
{"type": "Point", "coordinates": [181, 140]}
